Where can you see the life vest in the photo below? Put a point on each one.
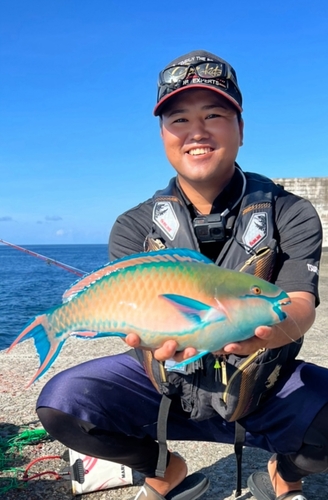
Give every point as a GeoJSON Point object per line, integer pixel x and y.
{"type": "Point", "coordinates": [252, 236]}
{"type": "Point", "coordinates": [232, 386]}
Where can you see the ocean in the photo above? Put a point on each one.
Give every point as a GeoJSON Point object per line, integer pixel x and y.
{"type": "Point", "coordinates": [29, 285]}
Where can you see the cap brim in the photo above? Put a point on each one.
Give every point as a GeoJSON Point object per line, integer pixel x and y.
{"type": "Point", "coordinates": [160, 104]}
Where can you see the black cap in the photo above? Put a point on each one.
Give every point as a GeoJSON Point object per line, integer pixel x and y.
{"type": "Point", "coordinates": [221, 78]}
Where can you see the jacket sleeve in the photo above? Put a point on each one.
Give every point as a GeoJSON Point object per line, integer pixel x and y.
{"type": "Point", "coordinates": [300, 237]}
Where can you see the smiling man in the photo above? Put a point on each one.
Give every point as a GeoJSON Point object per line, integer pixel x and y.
{"type": "Point", "coordinates": [241, 221]}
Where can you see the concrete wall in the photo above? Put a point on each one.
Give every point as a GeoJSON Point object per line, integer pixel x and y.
{"type": "Point", "coordinates": [314, 189]}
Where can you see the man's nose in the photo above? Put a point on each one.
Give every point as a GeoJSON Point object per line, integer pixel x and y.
{"type": "Point", "coordinates": [198, 131]}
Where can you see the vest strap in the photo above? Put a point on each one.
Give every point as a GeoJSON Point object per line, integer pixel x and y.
{"type": "Point", "coordinates": [163, 414]}
{"type": "Point", "coordinates": [240, 435]}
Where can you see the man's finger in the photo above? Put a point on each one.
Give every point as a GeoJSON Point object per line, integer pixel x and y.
{"type": "Point", "coordinates": [132, 339]}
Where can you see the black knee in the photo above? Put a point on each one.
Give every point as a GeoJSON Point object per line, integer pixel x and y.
{"type": "Point", "coordinates": [65, 428]}
{"type": "Point", "coordinates": [312, 458]}
{"type": "Point", "coordinates": [86, 438]}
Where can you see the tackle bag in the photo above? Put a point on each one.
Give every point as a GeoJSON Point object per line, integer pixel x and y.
{"type": "Point", "coordinates": [245, 382]}
{"type": "Point", "coordinates": [231, 386]}
{"type": "Point", "coordinates": [93, 474]}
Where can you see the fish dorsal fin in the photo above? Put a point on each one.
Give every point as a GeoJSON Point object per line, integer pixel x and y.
{"type": "Point", "coordinates": [167, 255]}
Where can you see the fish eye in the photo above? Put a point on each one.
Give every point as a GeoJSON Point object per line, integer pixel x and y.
{"type": "Point", "coordinates": [256, 290]}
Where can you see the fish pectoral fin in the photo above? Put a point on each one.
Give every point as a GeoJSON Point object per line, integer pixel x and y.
{"type": "Point", "coordinates": [196, 311]}
{"type": "Point", "coordinates": [185, 362]}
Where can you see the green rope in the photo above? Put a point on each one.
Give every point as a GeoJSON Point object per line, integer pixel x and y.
{"type": "Point", "coordinates": [29, 436]}
{"type": "Point", "coordinates": [11, 451]}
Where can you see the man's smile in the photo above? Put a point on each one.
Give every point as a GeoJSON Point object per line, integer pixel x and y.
{"type": "Point", "coordinates": [200, 151]}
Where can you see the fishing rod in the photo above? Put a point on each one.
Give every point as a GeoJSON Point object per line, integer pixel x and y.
{"type": "Point", "coordinates": [48, 260]}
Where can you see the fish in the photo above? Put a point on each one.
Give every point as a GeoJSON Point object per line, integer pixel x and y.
{"type": "Point", "coordinates": [167, 294]}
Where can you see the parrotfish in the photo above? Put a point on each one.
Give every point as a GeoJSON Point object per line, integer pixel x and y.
{"type": "Point", "coordinates": [167, 294]}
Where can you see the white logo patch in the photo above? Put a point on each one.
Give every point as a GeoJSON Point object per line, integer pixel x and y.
{"type": "Point", "coordinates": [273, 377]}
{"type": "Point", "coordinates": [313, 269]}
{"type": "Point", "coordinates": [256, 231]}
{"type": "Point", "coordinates": [165, 218]}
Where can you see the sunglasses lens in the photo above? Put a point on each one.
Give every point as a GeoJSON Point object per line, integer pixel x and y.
{"type": "Point", "coordinates": [210, 70]}
{"type": "Point", "coordinates": [174, 74]}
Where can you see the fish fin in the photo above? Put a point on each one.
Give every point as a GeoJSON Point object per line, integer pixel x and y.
{"type": "Point", "coordinates": [167, 255]}
{"type": "Point", "coordinates": [180, 365]}
{"type": "Point", "coordinates": [196, 311]}
{"type": "Point", "coordinates": [91, 334]}
{"type": "Point", "coordinates": [46, 347]}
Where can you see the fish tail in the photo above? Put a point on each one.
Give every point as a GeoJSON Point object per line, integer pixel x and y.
{"type": "Point", "coordinates": [47, 345]}
{"type": "Point", "coordinates": [27, 333]}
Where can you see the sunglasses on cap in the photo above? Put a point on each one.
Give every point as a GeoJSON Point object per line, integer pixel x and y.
{"type": "Point", "coordinates": [207, 70]}
{"type": "Point", "coordinates": [215, 74]}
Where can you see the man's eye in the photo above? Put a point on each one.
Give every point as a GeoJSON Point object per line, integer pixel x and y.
{"type": "Point", "coordinates": [180, 120]}
{"type": "Point", "coordinates": [214, 115]}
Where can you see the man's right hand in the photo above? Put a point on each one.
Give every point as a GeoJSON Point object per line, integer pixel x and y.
{"type": "Point", "coordinates": [167, 351]}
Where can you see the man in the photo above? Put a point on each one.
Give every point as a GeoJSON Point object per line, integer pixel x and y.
{"type": "Point", "coordinates": [240, 221]}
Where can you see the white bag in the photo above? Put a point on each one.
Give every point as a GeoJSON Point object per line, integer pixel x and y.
{"type": "Point", "coordinates": [92, 474]}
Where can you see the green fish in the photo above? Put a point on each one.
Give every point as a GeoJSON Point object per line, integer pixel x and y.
{"type": "Point", "coordinates": [168, 294]}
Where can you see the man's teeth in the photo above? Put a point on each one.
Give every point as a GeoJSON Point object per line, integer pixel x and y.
{"type": "Point", "coordinates": [199, 151]}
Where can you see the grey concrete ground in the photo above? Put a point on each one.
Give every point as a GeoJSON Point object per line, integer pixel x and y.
{"type": "Point", "coordinates": [215, 460]}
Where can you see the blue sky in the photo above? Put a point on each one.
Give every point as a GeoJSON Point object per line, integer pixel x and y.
{"type": "Point", "coordinates": [78, 141]}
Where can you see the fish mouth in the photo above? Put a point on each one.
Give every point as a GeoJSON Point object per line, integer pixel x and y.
{"type": "Point", "coordinates": [277, 307]}
{"type": "Point", "coordinates": [284, 302]}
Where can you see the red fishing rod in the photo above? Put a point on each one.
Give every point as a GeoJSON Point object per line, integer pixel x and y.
{"type": "Point", "coordinates": [49, 261]}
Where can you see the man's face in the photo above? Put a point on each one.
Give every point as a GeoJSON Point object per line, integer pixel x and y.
{"type": "Point", "coordinates": [201, 136]}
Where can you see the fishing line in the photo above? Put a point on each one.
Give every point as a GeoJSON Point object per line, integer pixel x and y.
{"type": "Point", "coordinates": [295, 341]}
{"type": "Point", "coordinates": [48, 260]}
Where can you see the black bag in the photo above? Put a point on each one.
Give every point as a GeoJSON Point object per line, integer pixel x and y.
{"type": "Point", "coordinates": [246, 381]}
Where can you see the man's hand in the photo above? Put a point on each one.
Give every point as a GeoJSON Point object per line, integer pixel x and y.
{"type": "Point", "coordinates": [261, 339]}
{"type": "Point", "coordinates": [169, 348]}
{"type": "Point", "coordinates": [167, 351]}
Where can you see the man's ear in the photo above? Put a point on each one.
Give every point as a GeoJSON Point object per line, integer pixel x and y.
{"type": "Point", "coordinates": [241, 132]}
